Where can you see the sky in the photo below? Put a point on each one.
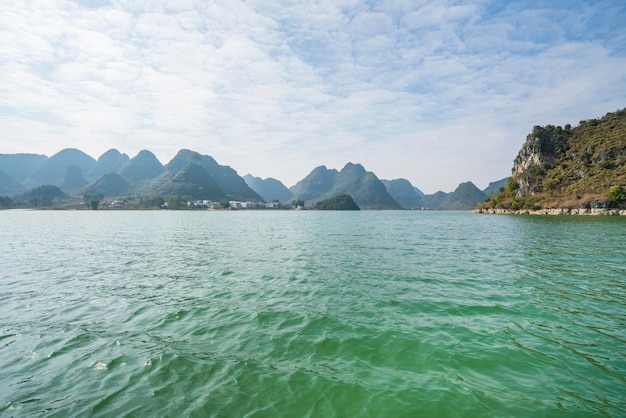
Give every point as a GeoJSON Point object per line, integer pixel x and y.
{"type": "Point", "coordinates": [437, 91]}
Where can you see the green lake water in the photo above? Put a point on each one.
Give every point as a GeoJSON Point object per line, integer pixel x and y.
{"type": "Point", "coordinates": [311, 314]}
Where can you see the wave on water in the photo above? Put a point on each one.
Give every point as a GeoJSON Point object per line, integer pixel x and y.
{"type": "Point", "coordinates": [311, 314]}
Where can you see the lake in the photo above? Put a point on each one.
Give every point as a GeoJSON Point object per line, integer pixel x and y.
{"type": "Point", "coordinates": [311, 314]}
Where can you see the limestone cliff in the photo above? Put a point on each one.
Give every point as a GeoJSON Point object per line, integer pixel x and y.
{"type": "Point", "coordinates": [543, 147]}
{"type": "Point", "coordinates": [565, 167]}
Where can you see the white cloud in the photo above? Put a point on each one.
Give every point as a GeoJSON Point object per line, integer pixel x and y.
{"type": "Point", "coordinates": [436, 92]}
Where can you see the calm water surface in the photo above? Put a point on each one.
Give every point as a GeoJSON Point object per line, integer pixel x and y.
{"type": "Point", "coordinates": [320, 314]}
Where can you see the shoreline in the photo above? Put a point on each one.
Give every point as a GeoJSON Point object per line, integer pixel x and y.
{"type": "Point", "coordinates": [553, 211]}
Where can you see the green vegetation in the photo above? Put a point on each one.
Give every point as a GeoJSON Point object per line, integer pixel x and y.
{"type": "Point", "coordinates": [110, 184]}
{"type": "Point", "coordinates": [44, 196]}
{"type": "Point", "coordinates": [465, 197]}
{"type": "Point", "coordinates": [404, 193]}
{"type": "Point", "coordinates": [568, 167]}
{"type": "Point", "coordinates": [617, 194]}
{"type": "Point", "coordinates": [207, 180]}
{"type": "Point", "coordinates": [148, 202]}
{"type": "Point", "coordinates": [507, 198]}
{"type": "Point", "coordinates": [339, 202]}
{"type": "Point", "coordinates": [176, 202]}
{"type": "Point", "coordinates": [193, 181]}
{"type": "Point", "coordinates": [144, 166]}
{"type": "Point", "coordinates": [93, 200]}
{"type": "Point", "coordinates": [6, 202]}
{"type": "Point", "coordinates": [269, 189]}
{"type": "Point", "coordinates": [363, 186]}
{"type": "Point", "coordinates": [117, 182]}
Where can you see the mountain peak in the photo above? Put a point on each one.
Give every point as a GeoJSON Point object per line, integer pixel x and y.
{"type": "Point", "coordinates": [404, 193]}
{"type": "Point", "coordinates": [193, 181]}
{"type": "Point", "coordinates": [465, 197]}
{"type": "Point", "coordinates": [143, 166]}
{"type": "Point", "coordinates": [363, 186]}
{"type": "Point", "coordinates": [112, 161]}
{"type": "Point", "coordinates": [269, 189]}
{"type": "Point", "coordinates": [53, 170]}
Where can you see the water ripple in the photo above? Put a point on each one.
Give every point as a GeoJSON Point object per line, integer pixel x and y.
{"type": "Point", "coordinates": [312, 314]}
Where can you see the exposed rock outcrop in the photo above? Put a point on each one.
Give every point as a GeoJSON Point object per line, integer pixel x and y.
{"type": "Point", "coordinates": [538, 155]}
{"type": "Point", "coordinates": [555, 211]}
{"type": "Point", "coordinates": [565, 167]}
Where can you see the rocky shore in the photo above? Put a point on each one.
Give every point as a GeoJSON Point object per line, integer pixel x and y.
{"type": "Point", "coordinates": [555, 211]}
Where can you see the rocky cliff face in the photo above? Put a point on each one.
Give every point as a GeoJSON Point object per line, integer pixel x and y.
{"type": "Point", "coordinates": [565, 167]}
{"type": "Point", "coordinates": [538, 155]}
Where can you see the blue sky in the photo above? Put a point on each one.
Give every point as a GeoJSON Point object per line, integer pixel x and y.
{"type": "Point", "coordinates": [437, 92]}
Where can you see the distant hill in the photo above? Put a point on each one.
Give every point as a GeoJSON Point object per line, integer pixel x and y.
{"type": "Point", "coordinates": [404, 193]}
{"type": "Point", "coordinates": [433, 201]}
{"type": "Point", "coordinates": [109, 185]}
{"type": "Point", "coordinates": [9, 186]}
{"type": "Point", "coordinates": [465, 197]}
{"type": "Point", "coordinates": [53, 170]}
{"type": "Point", "coordinates": [192, 181]}
{"type": "Point", "coordinates": [145, 178]}
{"type": "Point", "coordinates": [363, 186]}
{"type": "Point", "coordinates": [21, 166]}
{"type": "Point", "coordinates": [42, 196]}
{"type": "Point", "coordinates": [565, 167]}
{"type": "Point", "coordinates": [269, 189]}
{"type": "Point", "coordinates": [142, 167]}
{"type": "Point", "coordinates": [315, 185]}
{"type": "Point", "coordinates": [45, 190]}
{"type": "Point", "coordinates": [180, 161]}
{"type": "Point", "coordinates": [188, 174]}
{"type": "Point", "coordinates": [111, 161]}
{"type": "Point", "coordinates": [73, 179]}
{"type": "Point", "coordinates": [227, 180]}
{"type": "Point", "coordinates": [495, 186]}
{"type": "Point", "coordinates": [339, 202]}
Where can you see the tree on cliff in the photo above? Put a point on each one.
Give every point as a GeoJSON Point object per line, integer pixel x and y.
{"type": "Point", "coordinates": [617, 194]}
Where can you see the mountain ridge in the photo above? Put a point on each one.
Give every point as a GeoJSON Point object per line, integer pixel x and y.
{"type": "Point", "coordinates": [54, 169]}
{"type": "Point", "coordinates": [367, 191]}
{"type": "Point", "coordinates": [226, 179]}
{"type": "Point", "coordinates": [269, 189]}
{"type": "Point", "coordinates": [144, 175]}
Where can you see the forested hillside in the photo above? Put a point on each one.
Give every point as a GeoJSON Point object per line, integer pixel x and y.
{"type": "Point", "coordinates": [565, 167]}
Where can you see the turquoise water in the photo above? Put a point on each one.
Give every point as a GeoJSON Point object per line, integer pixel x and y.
{"type": "Point", "coordinates": [320, 314]}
